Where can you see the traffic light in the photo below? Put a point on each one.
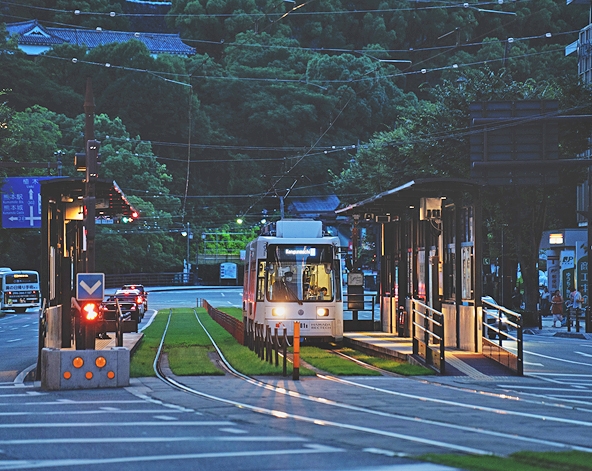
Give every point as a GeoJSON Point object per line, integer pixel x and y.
{"type": "Point", "coordinates": [90, 312]}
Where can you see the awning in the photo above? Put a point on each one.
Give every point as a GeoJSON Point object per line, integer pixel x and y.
{"type": "Point", "coordinates": [396, 201]}
{"type": "Point", "coordinates": [109, 199]}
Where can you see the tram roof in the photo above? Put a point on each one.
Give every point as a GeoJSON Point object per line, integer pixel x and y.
{"type": "Point", "coordinates": [400, 198]}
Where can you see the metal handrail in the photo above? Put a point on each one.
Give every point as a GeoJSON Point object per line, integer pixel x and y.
{"type": "Point", "coordinates": [518, 338]}
{"type": "Point", "coordinates": [429, 321]}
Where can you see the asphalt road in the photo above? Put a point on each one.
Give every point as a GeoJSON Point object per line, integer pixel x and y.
{"type": "Point", "coordinates": [360, 423]}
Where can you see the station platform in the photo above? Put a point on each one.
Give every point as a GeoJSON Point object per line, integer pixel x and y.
{"type": "Point", "coordinates": [131, 340]}
{"type": "Point", "coordinates": [458, 362]}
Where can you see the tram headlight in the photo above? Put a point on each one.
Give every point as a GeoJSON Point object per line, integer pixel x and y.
{"type": "Point", "coordinates": [322, 311]}
{"type": "Point", "coordinates": [278, 311]}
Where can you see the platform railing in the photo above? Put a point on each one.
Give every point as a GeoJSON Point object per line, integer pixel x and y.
{"type": "Point", "coordinates": [427, 332]}
{"type": "Point", "coordinates": [503, 319]}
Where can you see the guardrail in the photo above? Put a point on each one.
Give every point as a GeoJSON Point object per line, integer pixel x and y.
{"type": "Point", "coordinates": [150, 279]}
{"type": "Point", "coordinates": [427, 333]}
{"type": "Point", "coordinates": [502, 320]}
{"type": "Point", "coordinates": [231, 324]}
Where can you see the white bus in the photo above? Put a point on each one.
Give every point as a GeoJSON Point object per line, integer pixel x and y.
{"type": "Point", "coordinates": [19, 290]}
{"type": "Point", "coordinates": [294, 275]}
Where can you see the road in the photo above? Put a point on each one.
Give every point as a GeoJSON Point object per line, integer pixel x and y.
{"type": "Point", "coordinates": [360, 423]}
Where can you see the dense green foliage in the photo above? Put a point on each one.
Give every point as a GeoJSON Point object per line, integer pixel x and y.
{"type": "Point", "coordinates": [282, 99]}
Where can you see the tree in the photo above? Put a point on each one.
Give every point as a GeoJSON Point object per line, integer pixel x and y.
{"type": "Point", "coordinates": [434, 141]}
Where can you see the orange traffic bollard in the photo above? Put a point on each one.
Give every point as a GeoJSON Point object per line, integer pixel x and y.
{"type": "Point", "coordinates": [296, 370]}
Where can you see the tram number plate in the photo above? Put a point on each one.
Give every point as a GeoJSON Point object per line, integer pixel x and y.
{"type": "Point", "coordinates": [315, 326]}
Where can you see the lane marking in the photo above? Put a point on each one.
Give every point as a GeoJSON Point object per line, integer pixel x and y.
{"type": "Point", "coordinates": [109, 440]}
{"type": "Point", "coordinates": [81, 412]}
{"type": "Point", "coordinates": [118, 424]}
{"type": "Point", "coordinates": [589, 355]}
{"type": "Point", "coordinates": [30, 464]}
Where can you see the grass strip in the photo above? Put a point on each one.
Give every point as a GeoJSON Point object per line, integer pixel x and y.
{"type": "Point", "coordinates": [327, 361]}
{"type": "Point", "coordinates": [143, 357]}
{"type": "Point", "coordinates": [392, 365]}
{"type": "Point", "coordinates": [235, 312]}
{"type": "Point", "coordinates": [241, 357]}
{"type": "Point", "coordinates": [521, 461]}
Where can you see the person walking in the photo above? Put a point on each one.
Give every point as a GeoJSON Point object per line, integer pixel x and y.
{"type": "Point", "coordinates": [557, 308]}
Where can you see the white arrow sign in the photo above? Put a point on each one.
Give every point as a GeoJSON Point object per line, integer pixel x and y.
{"type": "Point", "coordinates": [90, 289]}
{"type": "Point", "coordinates": [90, 286]}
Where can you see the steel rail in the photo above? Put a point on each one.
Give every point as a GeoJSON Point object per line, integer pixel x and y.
{"type": "Point", "coordinates": [318, 421]}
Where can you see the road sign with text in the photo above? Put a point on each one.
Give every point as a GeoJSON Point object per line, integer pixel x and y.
{"type": "Point", "coordinates": [21, 202]}
{"type": "Point", "coordinates": [90, 286]}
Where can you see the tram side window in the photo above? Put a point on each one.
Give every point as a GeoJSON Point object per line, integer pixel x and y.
{"type": "Point", "coordinates": [261, 282]}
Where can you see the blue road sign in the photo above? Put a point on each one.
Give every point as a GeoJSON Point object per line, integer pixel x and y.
{"type": "Point", "coordinates": [21, 202]}
{"type": "Point", "coordinates": [90, 286]}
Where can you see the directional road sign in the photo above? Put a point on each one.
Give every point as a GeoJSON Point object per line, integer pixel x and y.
{"type": "Point", "coordinates": [21, 202]}
{"type": "Point", "coordinates": [90, 286]}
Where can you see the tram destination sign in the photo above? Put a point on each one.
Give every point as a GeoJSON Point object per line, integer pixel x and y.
{"type": "Point", "coordinates": [21, 202]}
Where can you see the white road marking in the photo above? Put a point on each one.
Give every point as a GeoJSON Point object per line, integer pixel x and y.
{"type": "Point", "coordinates": [109, 440]}
{"type": "Point", "coordinates": [216, 423]}
{"type": "Point", "coordinates": [232, 430]}
{"type": "Point", "coordinates": [30, 464]}
{"type": "Point", "coordinates": [79, 412]}
{"type": "Point", "coordinates": [584, 354]}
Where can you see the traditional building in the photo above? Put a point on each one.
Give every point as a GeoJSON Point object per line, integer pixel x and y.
{"type": "Point", "coordinates": [35, 39]}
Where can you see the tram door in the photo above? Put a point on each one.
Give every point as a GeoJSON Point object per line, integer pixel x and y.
{"type": "Point", "coordinates": [433, 280]}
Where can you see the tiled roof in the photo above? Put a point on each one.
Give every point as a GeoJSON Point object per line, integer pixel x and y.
{"type": "Point", "coordinates": [31, 33]}
{"type": "Point", "coordinates": [323, 204]}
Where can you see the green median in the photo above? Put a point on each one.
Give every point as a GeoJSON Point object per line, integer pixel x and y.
{"type": "Point", "coordinates": [189, 351]}
{"type": "Point", "coordinates": [521, 461]}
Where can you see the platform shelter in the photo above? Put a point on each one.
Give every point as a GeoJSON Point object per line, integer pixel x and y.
{"type": "Point", "coordinates": [430, 250]}
{"type": "Point", "coordinates": [64, 242]}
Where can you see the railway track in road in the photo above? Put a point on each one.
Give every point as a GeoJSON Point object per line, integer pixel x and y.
{"type": "Point", "coordinates": [424, 415]}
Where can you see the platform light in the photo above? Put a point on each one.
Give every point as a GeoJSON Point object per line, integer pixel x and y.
{"type": "Point", "coordinates": [556, 238]}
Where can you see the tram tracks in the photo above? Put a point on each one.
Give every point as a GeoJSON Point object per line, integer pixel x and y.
{"type": "Point", "coordinates": [388, 418]}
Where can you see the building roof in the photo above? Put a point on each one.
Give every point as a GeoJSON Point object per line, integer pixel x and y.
{"type": "Point", "coordinates": [31, 33]}
{"type": "Point", "coordinates": [397, 200]}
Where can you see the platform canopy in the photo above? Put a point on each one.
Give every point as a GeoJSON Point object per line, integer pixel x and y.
{"type": "Point", "coordinates": [111, 202]}
{"type": "Point", "coordinates": [397, 201]}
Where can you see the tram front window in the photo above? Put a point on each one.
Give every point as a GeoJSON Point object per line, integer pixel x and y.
{"type": "Point", "coordinates": [297, 273]}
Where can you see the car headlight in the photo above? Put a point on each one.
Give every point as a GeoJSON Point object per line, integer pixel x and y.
{"type": "Point", "coordinates": [322, 311]}
{"type": "Point", "coordinates": [278, 311]}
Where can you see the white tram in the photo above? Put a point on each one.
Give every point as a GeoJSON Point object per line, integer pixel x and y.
{"type": "Point", "coordinates": [294, 275]}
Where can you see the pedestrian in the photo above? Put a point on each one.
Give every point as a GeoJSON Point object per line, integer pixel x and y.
{"type": "Point", "coordinates": [545, 300]}
{"type": "Point", "coordinates": [557, 308]}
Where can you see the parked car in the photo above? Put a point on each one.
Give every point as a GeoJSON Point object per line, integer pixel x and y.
{"type": "Point", "coordinates": [492, 317]}
{"type": "Point", "coordinates": [142, 291]}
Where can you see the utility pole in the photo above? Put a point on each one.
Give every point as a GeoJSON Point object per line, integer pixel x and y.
{"type": "Point", "coordinates": [92, 153]}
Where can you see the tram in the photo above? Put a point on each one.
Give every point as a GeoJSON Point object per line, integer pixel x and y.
{"type": "Point", "coordinates": [294, 274]}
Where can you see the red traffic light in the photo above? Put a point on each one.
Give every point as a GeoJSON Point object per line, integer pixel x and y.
{"type": "Point", "coordinates": [90, 311]}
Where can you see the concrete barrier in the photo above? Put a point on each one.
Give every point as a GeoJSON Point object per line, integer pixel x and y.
{"type": "Point", "coordinates": [85, 369]}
